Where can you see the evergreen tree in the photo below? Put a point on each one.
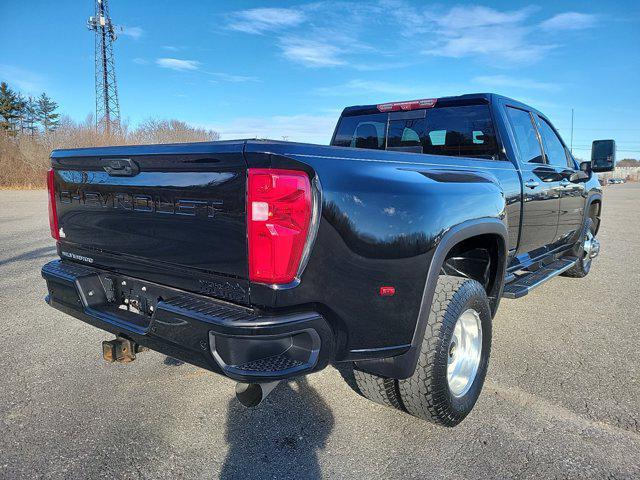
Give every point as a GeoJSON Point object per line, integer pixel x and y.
{"type": "Point", "coordinates": [30, 117]}
{"type": "Point", "coordinates": [10, 109]}
{"type": "Point", "coordinates": [46, 113]}
{"type": "Point", "coordinates": [21, 105]}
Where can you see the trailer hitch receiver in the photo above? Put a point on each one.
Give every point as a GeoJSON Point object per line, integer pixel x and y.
{"type": "Point", "coordinates": [120, 350]}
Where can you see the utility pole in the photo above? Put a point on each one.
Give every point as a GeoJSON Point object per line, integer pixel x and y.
{"type": "Point", "coordinates": [572, 131]}
{"type": "Point", "coordinates": [107, 106]}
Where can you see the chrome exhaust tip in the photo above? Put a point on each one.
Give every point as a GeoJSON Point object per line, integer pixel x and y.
{"type": "Point", "coordinates": [253, 394]}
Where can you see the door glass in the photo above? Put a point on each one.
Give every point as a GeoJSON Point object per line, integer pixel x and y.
{"type": "Point", "coordinates": [526, 138]}
{"type": "Point", "coordinates": [556, 154]}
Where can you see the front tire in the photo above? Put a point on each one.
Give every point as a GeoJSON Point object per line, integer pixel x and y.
{"type": "Point", "coordinates": [584, 251]}
{"type": "Point", "coordinates": [454, 355]}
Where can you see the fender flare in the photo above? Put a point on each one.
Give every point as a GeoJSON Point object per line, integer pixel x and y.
{"type": "Point", "coordinates": [403, 365]}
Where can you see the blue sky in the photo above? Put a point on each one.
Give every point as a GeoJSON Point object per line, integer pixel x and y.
{"type": "Point", "coordinates": [275, 69]}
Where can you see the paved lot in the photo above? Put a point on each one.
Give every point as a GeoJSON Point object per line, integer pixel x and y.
{"type": "Point", "coordinates": [562, 398]}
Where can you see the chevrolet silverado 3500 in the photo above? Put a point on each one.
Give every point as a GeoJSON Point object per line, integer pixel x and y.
{"type": "Point", "coordinates": [385, 254]}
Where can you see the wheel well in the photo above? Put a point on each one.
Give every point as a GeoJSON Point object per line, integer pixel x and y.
{"type": "Point", "coordinates": [479, 258]}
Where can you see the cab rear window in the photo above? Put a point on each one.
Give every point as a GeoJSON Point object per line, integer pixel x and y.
{"type": "Point", "coordinates": [461, 131]}
{"type": "Point", "coordinates": [362, 131]}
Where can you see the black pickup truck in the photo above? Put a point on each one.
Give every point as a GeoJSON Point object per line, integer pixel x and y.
{"type": "Point", "coordinates": [385, 254]}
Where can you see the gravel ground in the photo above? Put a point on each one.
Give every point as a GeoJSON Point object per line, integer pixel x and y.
{"type": "Point", "coordinates": [562, 397]}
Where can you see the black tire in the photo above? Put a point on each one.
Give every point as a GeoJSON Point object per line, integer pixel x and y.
{"type": "Point", "coordinates": [426, 394]}
{"type": "Point", "coordinates": [378, 389]}
{"type": "Point", "coordinates": [583, 265]}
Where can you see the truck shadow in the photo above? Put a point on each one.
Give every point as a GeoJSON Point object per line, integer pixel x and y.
{"type": "Point", "coordinates": [172, 362]}
{"type": "Point", "coordinates": [279, 439]}
{"type": "Point", "coordinates": [48, 251]}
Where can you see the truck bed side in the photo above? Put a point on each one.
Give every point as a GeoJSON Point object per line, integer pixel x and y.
{"type": "Point", "coordinates": [383, 214]}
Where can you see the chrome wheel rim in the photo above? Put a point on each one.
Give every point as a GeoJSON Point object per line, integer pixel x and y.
{"type": "Point", "coordinates": [591, 247]}
{"type": "Point", "coordinates": [464, 352]}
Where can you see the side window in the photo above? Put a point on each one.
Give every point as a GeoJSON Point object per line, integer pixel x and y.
{"type": "Point", "coordinates": [362, 131]}
{"type": "Point", "coordinates": [526, 138]}
{"type": "Point", "coordinates": [556, 154]}
{"type": "Point", "coordinates": [461, 131]}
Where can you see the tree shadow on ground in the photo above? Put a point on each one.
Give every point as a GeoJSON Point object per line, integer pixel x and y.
{"type": "Point", "coordinates": [281, 437]}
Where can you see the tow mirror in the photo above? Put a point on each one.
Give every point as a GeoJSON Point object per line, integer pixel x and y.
{"type": "Point", "coordinates": [603, 155]}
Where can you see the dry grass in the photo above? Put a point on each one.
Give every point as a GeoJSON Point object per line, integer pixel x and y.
{"type": "Point", "coordinates": [24, 159]}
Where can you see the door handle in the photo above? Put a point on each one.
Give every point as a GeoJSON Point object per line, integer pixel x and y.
{"type": "Point", "coordinates": [121, 167]}
{"type": "Point", "coordinates": [564, 182]}
{"type": "Point", "coordinates": [531, 184]}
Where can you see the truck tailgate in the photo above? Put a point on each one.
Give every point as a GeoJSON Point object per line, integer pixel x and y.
{"type": "Point", "coordinates": [172, 214]}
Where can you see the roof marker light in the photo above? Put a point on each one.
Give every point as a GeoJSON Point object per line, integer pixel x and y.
{"type": "Point", "coordinates": [408, 105]}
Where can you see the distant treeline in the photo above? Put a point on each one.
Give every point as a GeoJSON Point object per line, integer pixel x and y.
{"type": "Point", "coordinates": [628, 162]}
{"type": "Point", "coordinates": [31, 127]}
{"type": "Point", "coordinates": [19, 113]}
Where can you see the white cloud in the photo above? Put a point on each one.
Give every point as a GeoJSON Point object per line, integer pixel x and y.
{"type": "Point", "coordinates": [503, 35]}
{"type": "Point", "coordinates": [133, 32]}
{"type": "Point", "coordinates": [524, 83]}
{"type": "Point", "coordinates": [177, 64]}
{"type": "Point", "coordinates": [370, 66]}
{"type": "Point", "coordinates": [389, 210]}
{"type": "Point", "coordinates": [320, 34]}
{"type": "Point", "coordinates": [372, 91]}
{"type": "Point", "coordinates": [261, 20]}
{"type": "Point", "coordinates": [227, 77]}
{"type": "Point", "coordinates": [311, 53]}
{"type": "Point", "coordinates": [330, 33]}
{"type": "Point", "coordinates": [483, 31]}
{"type": "Point", "coordinates": [295, 128]}
{"type": "Point", "coordinates": [569, 21]}
{"type": "Point", "coordinates": [26, 81]}
{"type": "Point", "coordinates": [358, 86]}
{"type": "Point", "coordinates": [473, 17]}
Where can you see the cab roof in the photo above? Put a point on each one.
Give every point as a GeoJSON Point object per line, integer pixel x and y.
{"type": "Point", "coordinates": [467, 99]}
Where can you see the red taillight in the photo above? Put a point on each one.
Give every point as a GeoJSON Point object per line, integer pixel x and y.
{"type": "Point", "coordinates": [410, 105]}
{"type": "Point", "coordinates": [53, 214]}
{"type": "Point", "coordinates": [279, 209]}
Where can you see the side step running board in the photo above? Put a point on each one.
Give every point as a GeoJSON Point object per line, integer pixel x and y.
{"type": "Point", "coordinates": [524, 283]}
